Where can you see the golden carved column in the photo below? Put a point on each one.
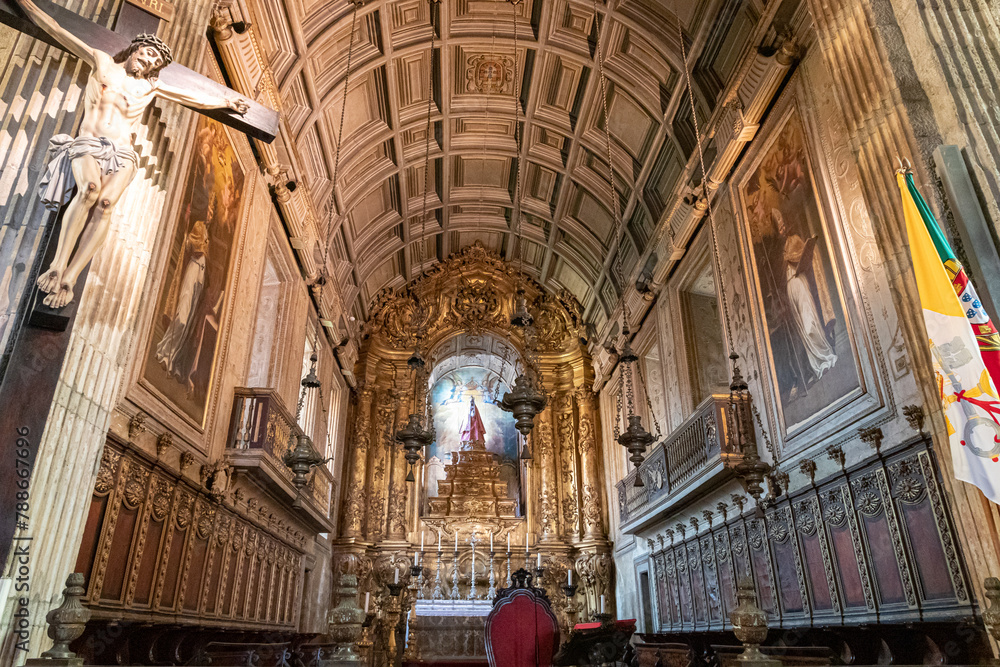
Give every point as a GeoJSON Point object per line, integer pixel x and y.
{"type": "Point", "coordinates": [353, 502]}
{"type": "Point", "coordinates": [568, 480]}
{"type": "Point", "coordinates": [590, 493]}
{"type": "Point", "coordinates": [548, 508]}
{"type": "Point", "coordinates": [385, 407]}
{"type": "Point", "coordinates": [397, 484]}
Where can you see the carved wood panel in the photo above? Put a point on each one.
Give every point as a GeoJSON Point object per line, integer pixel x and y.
{"type": "Point", "coordinates": [874, 545]}
{"type": "Point", "coordinates": [155, 546]}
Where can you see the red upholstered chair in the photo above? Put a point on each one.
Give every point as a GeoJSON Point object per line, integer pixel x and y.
{"type": "Point", "coordinates": [521, 630]}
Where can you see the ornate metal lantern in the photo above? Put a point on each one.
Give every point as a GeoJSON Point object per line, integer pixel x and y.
{"type": "Point", "coordinates": [741, 435]}
{"type": "Point", "coordinates": [635, 438]}
{"type": "Point", "coordinates": [524, 403]}
{"type": "Point", "coordinates": [521, 317]}
{"type": "Point", "coordinates": [302, 456]}
{"type": "Point", "coordinates": [414, 438]}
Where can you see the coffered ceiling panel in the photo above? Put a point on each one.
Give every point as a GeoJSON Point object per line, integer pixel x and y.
{"type": "Point", "coordinates": [500, 110]}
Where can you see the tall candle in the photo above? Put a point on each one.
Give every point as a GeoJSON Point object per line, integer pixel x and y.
{"type": "Point", "coordinates": [508, 542]}
{"type": "Point", "coordinates": [368, 596]}
{"type": "Point", "coordinates": [396, 577]}
{"type": "Point", "coordinates": [526, 540]}
{"type": "Point", "coordinates": [416, 558]}
{"type": "Point", "coordinates": [539, 563]}
{"type": "Point", "coordinates": [569, 577]}
{"type": "Point", "coordinates": [422, 536]}
{"type": "Point", "coordinates": [439, 539]}
{"type": "Point", "coordinates": [602, 604]}
{"type": "Point", "coordinates": [456, 540]}
{"type": "Point", "coordinates": [491, 542]}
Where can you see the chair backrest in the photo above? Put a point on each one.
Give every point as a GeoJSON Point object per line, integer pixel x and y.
{"type": "Point", "coordinates": [521, 630]}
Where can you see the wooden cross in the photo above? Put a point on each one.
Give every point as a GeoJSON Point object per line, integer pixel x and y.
{"type": "Point", "coordinates": [259, 122]}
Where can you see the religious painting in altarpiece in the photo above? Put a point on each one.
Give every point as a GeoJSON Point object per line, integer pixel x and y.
{"type": "Point", "coordinates": [180, 362]}
{"type": "Point", "coordinates": [451, 398]}
{"type": "Point", "coordinates": [799, 272]}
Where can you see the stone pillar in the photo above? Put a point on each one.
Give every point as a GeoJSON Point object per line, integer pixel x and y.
{"type": "Point", "coordinates": [354, 498]}
{"type": "Point", "coordinates": [545, 455]}
{"type": "Point", "coordinates": [593, 524]}
{"type": "Point", "coordinates": [568, 480]}
{"type": "Point", "coordinates": [397, 479]}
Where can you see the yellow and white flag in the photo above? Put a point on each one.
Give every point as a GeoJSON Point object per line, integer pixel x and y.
{"type": "Point", "coordinates": [970, 400]}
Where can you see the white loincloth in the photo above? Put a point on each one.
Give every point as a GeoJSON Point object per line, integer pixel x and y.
{"type": "Point", "coordinates": [56, 186]}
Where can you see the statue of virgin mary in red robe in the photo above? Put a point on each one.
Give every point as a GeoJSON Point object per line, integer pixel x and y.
{"type": "Point", "coordinates": [473, 430]}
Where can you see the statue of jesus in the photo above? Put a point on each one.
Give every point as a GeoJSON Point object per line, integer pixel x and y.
{"type": "Point", "coordinates": [472, 430]}
{"type": "Point", "coordinates": [100, 162]}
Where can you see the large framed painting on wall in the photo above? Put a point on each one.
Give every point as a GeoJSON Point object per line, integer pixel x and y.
{"type": "Point", "coordinates": [180, 362]}
{"type": "Point", "coordinates": [797, 265]}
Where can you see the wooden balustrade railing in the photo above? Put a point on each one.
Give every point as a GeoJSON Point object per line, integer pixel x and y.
{"type": "Point", "coordinates": [672, 465]}
{"type": "Point", "coordinates": [260, 421]}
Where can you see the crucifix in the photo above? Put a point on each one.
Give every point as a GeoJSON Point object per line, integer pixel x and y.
{"type": "Point", "coordinates": [125, 78]}
{"type": "Point", "coordinates": [126, 75]}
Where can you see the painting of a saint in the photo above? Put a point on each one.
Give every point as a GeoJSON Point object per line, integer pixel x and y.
{"type": "Point", "coordinates": [180, 362]}
{"type": "Point", "coordinates": [466, 417]}
{"type": "Point", "coordinates": [803, 307]}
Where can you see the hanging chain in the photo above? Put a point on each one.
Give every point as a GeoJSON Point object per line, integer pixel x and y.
{"type": "Point", "coordinates": [518, 230]}
{"type": "Point", "coordinates": [427, 140]}
{"type": "Point", "coordinates": [705, 190]}
{"type": "Point", "coordinates": [332, 204]}
{"type": "Point", "coordinates": [618, 410]}
{"type": "Point", "coordinates": [619, 259]}
{"type": "Point", "coordinates": [649, 404]}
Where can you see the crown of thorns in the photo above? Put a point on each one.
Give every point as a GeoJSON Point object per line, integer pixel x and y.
{"type": "Point", "coordinates": [157, 43]}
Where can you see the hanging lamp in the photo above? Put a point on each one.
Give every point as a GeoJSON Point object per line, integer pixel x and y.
{"type": "Point", "coordinates": [301, 456]}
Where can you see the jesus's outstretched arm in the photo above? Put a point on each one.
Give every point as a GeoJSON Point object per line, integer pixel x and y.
{"type": "Point", "coordinates": [66, 38]}
{"type": "Point", "coordinates": [200, 101]}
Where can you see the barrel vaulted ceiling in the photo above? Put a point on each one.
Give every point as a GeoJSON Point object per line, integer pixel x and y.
{"type": "Point", "coordinates": [474, 72]}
